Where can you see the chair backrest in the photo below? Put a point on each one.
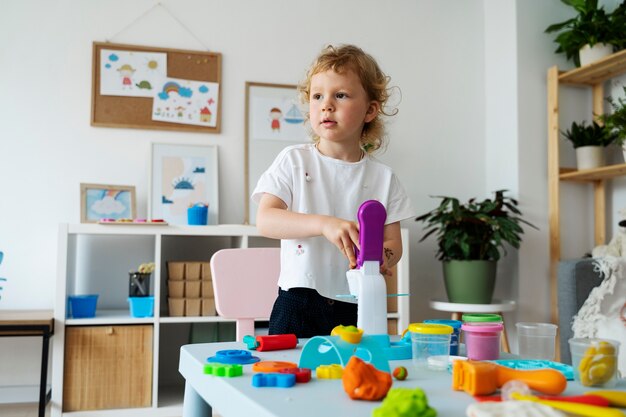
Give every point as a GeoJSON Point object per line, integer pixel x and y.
{"type": "Point", "coordinates": [245, 282]}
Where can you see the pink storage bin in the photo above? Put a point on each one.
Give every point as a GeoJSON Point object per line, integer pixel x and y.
{"type": "Point", "coordinates": [482, 343]}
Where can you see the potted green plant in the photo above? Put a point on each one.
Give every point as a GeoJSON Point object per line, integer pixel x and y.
{"type": "Point", "coordinates": [591, 34]}
{"type": "Point", "coordinates": [589, 142]}
{"type": "Point", "coordinates": [615, 121]}
{"type": "Point", "coordinates": [471, 238]}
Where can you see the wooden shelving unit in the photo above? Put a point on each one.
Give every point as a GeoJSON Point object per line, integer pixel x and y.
{"type": "Point", "coordinates": [590, 76]}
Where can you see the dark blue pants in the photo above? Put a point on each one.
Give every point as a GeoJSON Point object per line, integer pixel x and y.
{"type": "Point", "coordinates": [305, 313]}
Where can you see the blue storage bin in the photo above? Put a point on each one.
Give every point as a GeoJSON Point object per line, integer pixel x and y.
{"type": "Point", "coordinates": [82, 306]}
{"type": "Point", "coordinates": [141, 306]}
{"type": "Point", "coordinates": [198, 215]}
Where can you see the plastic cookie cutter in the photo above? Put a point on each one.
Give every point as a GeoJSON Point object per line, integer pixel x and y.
{"type": "Point", "coordinates": [230, 356]}
{"type": "Point", "coordinates": [272, 366]}
{"type": "Point", "coordinates": [332, 371]}
{"type": "Point", "coordinates": [224, 370]}
{"type": "Point", "coordinates": [274, 380]}
{"type": "Point", "coordinates": [302, 374]}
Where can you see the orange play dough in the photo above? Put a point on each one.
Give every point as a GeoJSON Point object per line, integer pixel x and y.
{"type": "Point", "coordinates": [362, 381]}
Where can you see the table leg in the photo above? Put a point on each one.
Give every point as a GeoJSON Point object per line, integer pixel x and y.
{"type": "Point", "coordinates": [505, 338]}
{"type": "Point", "coordinates": [194, 405]}
{"type": "Point", "coordinates": [457, 316]}
{"type": "Point", "coordinates": [43, 383]}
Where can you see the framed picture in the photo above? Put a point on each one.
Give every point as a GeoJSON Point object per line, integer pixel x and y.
{"type": "Point", "coordinates": [100, 201]}
{"type": "Point", "coordinates": [274, 120]}
{"type": "Point", "coordinates": [183, 176]}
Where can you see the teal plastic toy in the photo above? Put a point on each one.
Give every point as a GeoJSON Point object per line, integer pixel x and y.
{"type": "Point", "coordinates": [327, 350]}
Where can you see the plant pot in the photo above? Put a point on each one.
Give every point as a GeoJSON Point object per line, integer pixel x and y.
{"type": "Point", "coordinates": [588, 157]}
{"type": "Point", "coordinates": [138, 284]}
{"type": "Point", "coordinates": [470, 282]}
{"type": "Point", "coordinates": [588, 55]}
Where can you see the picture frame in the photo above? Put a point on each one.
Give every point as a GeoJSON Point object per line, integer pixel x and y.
{"type": "Point", "coordinates": [182, 176]}
{"type": "Point", "coordinates": [103, 201]}
{"type": "Point", "coordinates": [274, 119]}
{"type": "Point", "coordinates": [129, 110]}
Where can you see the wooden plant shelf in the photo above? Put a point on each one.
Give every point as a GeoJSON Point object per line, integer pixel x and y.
{"type": "Point", "coordinates": [596, 174]}
{"type": "Point", "coordinates": [597, 72]}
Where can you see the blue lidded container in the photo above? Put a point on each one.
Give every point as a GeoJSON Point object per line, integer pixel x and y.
{"type": "Point", "coordinates": [454, 339]}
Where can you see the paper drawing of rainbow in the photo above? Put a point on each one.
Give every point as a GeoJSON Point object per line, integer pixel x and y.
{"type": "Point", "coordinates": [174, 87]}
{"type": "Point", "coordinates": [186, 102]}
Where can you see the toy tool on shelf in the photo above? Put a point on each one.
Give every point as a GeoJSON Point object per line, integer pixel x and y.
{"type": "Point", "coordinates": [365, 282]}
{"type": "Point", "coordinates": [482, 378]}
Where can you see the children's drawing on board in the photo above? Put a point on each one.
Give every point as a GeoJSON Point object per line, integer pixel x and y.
{"type": "Point", "coordinates": [128, 73]}
{"type": "Point", "coordinates": [186, 102]}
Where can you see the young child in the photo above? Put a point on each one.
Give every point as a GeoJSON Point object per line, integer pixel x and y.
{"type": "Point", "coordinates": [310, 195]}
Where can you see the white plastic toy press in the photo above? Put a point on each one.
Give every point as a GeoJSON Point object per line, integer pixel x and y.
{"type": "Point", "coordinates": [366, 282]}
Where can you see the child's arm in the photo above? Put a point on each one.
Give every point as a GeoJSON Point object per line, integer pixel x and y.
{"type": "Point", "coordinates": [275, 221]}
{"type": "Point", "coordinates": [392, 247]}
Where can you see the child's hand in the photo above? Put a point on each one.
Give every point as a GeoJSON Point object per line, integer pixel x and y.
{"type": "Point", "coordinates": [385, 271]}
{"type": "Point", "coordinates": [343, 234]}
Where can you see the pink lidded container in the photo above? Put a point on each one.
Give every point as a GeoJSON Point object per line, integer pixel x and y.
{"type": "Point", "coordinates": [482, 343]}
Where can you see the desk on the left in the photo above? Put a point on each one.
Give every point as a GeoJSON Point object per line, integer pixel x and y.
{"type": "Point", "coordinates": [18, 323]}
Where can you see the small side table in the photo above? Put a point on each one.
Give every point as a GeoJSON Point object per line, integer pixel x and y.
{"type": "Point", "coordinates": [16, 323]}
{"type": "Point", "coordinates": [496, 306]}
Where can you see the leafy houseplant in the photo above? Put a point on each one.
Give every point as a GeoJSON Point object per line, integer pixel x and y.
{"type": "Point", "coordinates": [591, 26]}
{"type": "Point", "coordinates": [473, 235]}
{"type": "Point", "coordinates": [593, 135]}
{"type": "Point", "coordinates": [616, 120]}
{"type": "Point", "coordinates": [589, 142]}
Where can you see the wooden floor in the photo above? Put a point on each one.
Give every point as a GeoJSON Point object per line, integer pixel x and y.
{"type": "Point", "coordinates": [21, 410]}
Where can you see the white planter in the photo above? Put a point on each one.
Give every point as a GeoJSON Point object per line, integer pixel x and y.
{"type": "Point", "coordinates": [589, 54]}
{"type": "Point", "coordinates": [588, 157]}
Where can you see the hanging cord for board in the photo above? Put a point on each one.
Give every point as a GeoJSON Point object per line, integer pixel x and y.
{"type": "Point", "coordinates": [147, 12]}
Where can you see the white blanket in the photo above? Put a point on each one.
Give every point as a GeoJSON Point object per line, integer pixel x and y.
{"type": "Point", "coordinates": [600, 315]}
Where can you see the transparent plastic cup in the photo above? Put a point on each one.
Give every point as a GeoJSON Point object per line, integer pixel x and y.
{"type": "Point", "coordinates": [456, 333]}
{"type": "Point", "coordinates": [430, 341]}
{"type": "Point", "coordinates": [536, 340]}
{"type": "Point", "coordinates": [595, 361]}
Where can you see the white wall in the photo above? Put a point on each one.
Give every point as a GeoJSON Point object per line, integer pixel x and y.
{"type": "Point", "coordinates": [472, 76]}
{"type": "Point", "coordinates": [432, 50]}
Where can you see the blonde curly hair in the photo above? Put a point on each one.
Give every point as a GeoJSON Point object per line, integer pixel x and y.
{"type": "Point", "coordinates": [349, 57]}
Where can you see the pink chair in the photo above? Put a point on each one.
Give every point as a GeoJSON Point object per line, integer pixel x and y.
{"type": "Point", "coordinates": [245, 282]}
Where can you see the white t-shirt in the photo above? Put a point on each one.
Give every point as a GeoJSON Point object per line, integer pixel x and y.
{"type": "Point", "coordinates": [309, 182]}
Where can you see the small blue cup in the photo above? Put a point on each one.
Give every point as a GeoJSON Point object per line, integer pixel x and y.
{"type": "Point", "coordinates": [198, 215]}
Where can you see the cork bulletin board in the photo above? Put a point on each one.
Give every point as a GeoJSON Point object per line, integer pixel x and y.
{"type": "Point", "coordinates": [137, 112]}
